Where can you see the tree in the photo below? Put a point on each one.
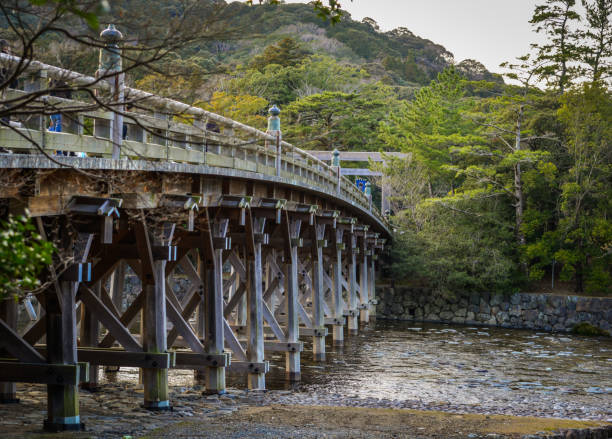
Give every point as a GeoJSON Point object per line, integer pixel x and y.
{"type": "Point", "coordinates": [329, 9]}
{"type": "Point", "coordinates": [245, 108]}
{"type": "Point", "coordinates": [287, 52]}
{"type": "Point", "coordinates": [430, 125]}
{"type": "Point", "coordinates": [597, 50]}
{"type": "Point", "coordinates": [555, 18]}
{"type": "Point", "coordinates": [585, 230]}
{"type": "Point", "coordinates": [334, 119]}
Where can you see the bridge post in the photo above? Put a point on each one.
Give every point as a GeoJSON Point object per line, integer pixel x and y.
{"type": "Point", "coordinates": [372, 279]}
{"type": "Point", "coordinates": [8, 313]}
{"type": "Point", "coordinates": [338, 334]}
{"type": "Point", "coordinates": [292, 233]}
{"type": "Point", "coordinates": [336, 166]}
{"type": "Point", "coordinates": [274, 129]}
{"type": "Point", "coordinates": [318, 316]}
{"type": "Point", "coordinates": [110, 64]}
{"type": "Point", "coordinates": [62, 399]}
{"type": "Point", "coordinates": [364, 313]}
{"type": "Point", "coordinates": [368, 193]}
{"type": "Point", "coordinates": [215, 376]}
{"type": "Point", "coordinates": [198, 374]}
{"type": "Point", "coordinates": [255, 334]}
{"type": "Point", "coordinates": [89, 338]}
{"type": "Point", "coordinates": [153, 278]}
{"type": "Point", "coordinates": [353, 326]}
{"type": "Point", "coordinates": [37, 81]}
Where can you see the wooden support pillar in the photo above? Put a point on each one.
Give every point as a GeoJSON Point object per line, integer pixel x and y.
{"type": "Point", "coordinates": [318, 316]}
{"type": "Point", "coordinates": [117, 285]}
{"type": "Point", "coordinates": [215, 376]}
{"type": "Point", "coordinates": [364, 288]}
{"type": "Point", "coordinates": [338, 335]}
{"type": "Point", "coordinates": [198, 374]}
{"type": "Point", "coordinates": [62, 399]}
{"type": "Point", "coordinates": [154, 339]}
{"type": "Point", "coordinates": [290, 269]}
{"type": "Point", "coordinates": [8, 313]}
{"type": "Point", "coordinates": [353, 327]}
{"type": "Point", "coordinates": [153, 278]}
{"type": "Point", "coordinates": [89, 338]}
{"type": "Point", "coordinates": [372, 279]}
{"type": "Point", "coordinates": [255, 334]}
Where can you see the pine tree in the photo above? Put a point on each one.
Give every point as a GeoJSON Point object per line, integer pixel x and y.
{"type": "Point", "coordinates": [554, 18]}
{"type": "Point", "coordinates": [597, 51]}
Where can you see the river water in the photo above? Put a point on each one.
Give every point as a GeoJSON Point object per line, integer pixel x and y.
{"type": "Point", "coordinates": [454, 368]}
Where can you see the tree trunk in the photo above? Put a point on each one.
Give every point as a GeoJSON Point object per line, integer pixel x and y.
{"type": "Point", "coordinates": [518, 184]}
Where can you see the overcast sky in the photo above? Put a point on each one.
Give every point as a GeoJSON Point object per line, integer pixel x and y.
{"type": "Point", "coordinates": [490, 31]}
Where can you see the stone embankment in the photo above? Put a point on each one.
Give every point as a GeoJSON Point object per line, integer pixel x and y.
{"type": "Point", "coordinates": [520, 310]}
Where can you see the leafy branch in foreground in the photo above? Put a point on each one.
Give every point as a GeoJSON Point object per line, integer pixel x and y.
{"type": "Point", "coordinates": [23, 255]}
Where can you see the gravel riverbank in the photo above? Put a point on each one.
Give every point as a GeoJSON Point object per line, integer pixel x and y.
{"type": "Point", "coordinates": [115, 412]}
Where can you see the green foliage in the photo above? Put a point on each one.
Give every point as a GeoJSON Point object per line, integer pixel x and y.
{"type": "Point", "coordinates": [451, 252]}
{"type": "Point", "coordinates": [555, 18]}
{"type": "Point", "coordinates": [286, 53]}
{"type": "Point", "coordinates": [245, 108]}
{"type": "Point", "coordinates": [589, 330]}
{"type": "Point", "coordinates": [340, 120]}
{"type": "Point", "coordinates": [283, 84]}
{"type": "Point", "coordinates": [432, 123]}
{"type": "Point", "coordinates": [89, 11]}
{"type": "Point", "coordinates": [23, 254]}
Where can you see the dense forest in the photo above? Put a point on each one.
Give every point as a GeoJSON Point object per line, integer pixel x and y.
{"type": "Point", "coordinates": [508, 184]}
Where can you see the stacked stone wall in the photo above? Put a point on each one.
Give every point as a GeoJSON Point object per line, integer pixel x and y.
{"type": "Point", "coordinates": [521, 310]}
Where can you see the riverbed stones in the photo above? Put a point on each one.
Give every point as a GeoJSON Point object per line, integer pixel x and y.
{"type": "Point", "coordinates": [520, 310]}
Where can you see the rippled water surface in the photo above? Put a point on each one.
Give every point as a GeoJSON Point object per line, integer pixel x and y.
{"type": "Point", "coordinates": [441, 365]}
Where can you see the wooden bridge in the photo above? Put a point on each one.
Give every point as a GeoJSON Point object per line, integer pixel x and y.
{"type": "Point", "coordinates": [270, 243]}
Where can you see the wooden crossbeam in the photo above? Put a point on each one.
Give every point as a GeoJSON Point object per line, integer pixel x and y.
{"type": "Point", "coordinates": [109, 320]}
{"type": "Point", "coordinates": [44, 373]}
{"type": "Point", "coordinates": [191, 360]}
{"type": "Point", "coordinates": [15, 345]}
{"type": "Point", "coordinates": [188, 310]}
{"type": "Point", "coordinates": [120, 357]}
{"type": "Point", "coordinates": [269, 317]}
{"type": "Point", "coordinates": [183, 327]}
{"type": "Point", "coordinates": [126, 319]}
{"type": "Point", "coordinates": [233, 343]}
{"type": "Point", "coordinates": [249, 367]}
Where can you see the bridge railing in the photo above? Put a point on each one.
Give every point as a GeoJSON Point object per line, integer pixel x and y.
{"type": "Point", "coordinates": [157, 129]}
